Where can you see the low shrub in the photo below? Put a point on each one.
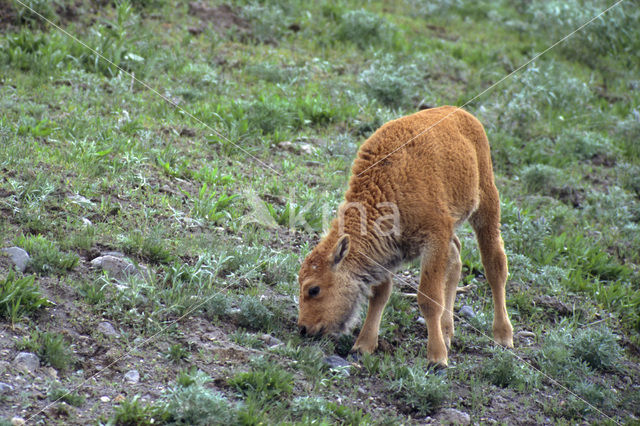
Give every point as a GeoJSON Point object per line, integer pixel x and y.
{"type": "Point", "coordinates": [254, 314]}
{"type": "Point", "coordinates": [265, 382]}
{"type": "Point", "coordinates": [422, 392]}
{"type": "Point", "coordinates": [364, 28]}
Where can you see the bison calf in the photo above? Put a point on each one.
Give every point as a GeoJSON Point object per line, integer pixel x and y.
{"type": "Point", "coordinates": [414, 181]}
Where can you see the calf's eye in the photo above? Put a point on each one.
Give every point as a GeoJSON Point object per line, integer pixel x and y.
{"type": "Point", "coordinates": [314, 291]}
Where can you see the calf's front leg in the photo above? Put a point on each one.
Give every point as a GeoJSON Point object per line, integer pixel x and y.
{"type": "Point", "coordinates": [367, 341]}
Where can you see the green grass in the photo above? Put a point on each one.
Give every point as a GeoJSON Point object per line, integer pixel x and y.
{"type": "Point", "coordinates": [19, 296]}
{"type": "Point", "coordinates": [91, 162]}
{"type": "Point", "coordinates": [52, 349]}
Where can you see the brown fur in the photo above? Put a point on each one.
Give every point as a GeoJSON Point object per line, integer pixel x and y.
{"type": "Point", "coordinates": [437, 181]}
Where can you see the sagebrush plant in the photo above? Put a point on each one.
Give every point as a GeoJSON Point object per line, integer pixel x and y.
{"type": "Point", "coordinates": [364, 28]}
{"type": "Point", "coordinates": [254, 314]}
{"type": "Point", "coordinates": [389, 83]}
{"type": "Point", "coordinates": [420, 392]}
{"type": "Point", "coordinates": [317, 409]}
{"type": "Point", "coordinates": [189, 401]}
{"type": "Point", "coordinates": [265, 382]}
{"type": "Point", "coordinates": [607, 34]}
{"type": "Point", "coordinates": [598, 347]}
{"type": "Point", "coordinates": [504, 369]}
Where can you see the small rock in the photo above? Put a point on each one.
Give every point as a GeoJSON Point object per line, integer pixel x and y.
{"type": "Point", "coordinates": [18, 421]}
{"type": "Point", "coordinates": [5, 388]}
{"type": "Point", "coordinates": [335, 361]}
{"type": "Point", "coordinates": [132, 377]}
{"type": "Point", "coordinates": [27, 360]}
{"type": "Point", "coordinates": [118, 267]}
{"type": "Point", "coordinates": [421, 320]}
{"type": "Point", "coordinates": [270, 340]}
{"type": "Point", "coordinates": [306, 148]}
{"type": "Point", "coordinates": [453, 416]}
{"type": "Point", "coordinates": [107, 329]}
{"type": "Point", "coordinates": [18, 256]}
{"type": "Point", "coordinates": [286, 145]}
{"type": "Point", "coordinates": [79, 199]}
{"type": "Point", "coordinates": [51, 372]}
{"type": "Point", "coordinates": [302, 148]}
{"type": "Point", "coordinates": [105, 399]}
{"type": "Point", "coordinates": [525, 334]}
{"type": "Point", "coordinates": [86, 222]}
{"type": "Point", "coordinates": [467, 312]}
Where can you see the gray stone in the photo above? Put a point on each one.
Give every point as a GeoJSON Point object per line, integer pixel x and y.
{"type": "Point", "coordinates": [80, 200]}
{"type": "Point", "coordinates": [132, 377]}
{"type": "Point", "coordinates": [467, 312]}
{"type": "Point", "coordinates": [107, 329]}
{"type": "Point", "coordinates": [421, 320]}
{"type": "Point", "coordinates": [335, 361]}
{"type": "Point", "coordinates": [523, 334]}
{"type": "Point", "coordinates": [270, 340]}
{"type": "Point", "coordinates": [453, 416]}
{"type": "Point", "coordinates": [18, 421]}
{"type": "Point", "coordinates": [118, 267]}
{"type": "Point", "coordinates": [27, 360]}
{"type": "Point", "coordinates": [306, 148]}
{"type": "Point", "coordinates": [5, 388]}
{"type": "Point", "coordinates": [18, 256]}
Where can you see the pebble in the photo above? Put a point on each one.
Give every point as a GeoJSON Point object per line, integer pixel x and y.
{"type": "Point", "coordinates": [5, 388]}
{"type": "Point", "coordinates": [453, 416]}
{"type": "Point", "coordinates": [335, 361]}
{"type": "Point", "coordinates": [132, 377]}
{"type": "Point", "coordinates": [524, 334]}
{"type": "Point", "coordinates": [107, 329]}
{"type": "Point", "coordinates": [80, 200]}
{"type": "Point", "coordinates": [306, 148]}
{"type": "Point", "coordinates": [27, 360]}
{"type": "Point", "coordinates": [18, 421]}
{"type": "Point", "coordinates": [51, 372]}
{"type": "Point", "coordinates": [18, 256]}
{"type": "Point", "coordinates": [118, 267]}
{"type": "Point", "coordinates": [270, 340]}
{"type": "Point", "coordinates": [467, 312]}
{"type": "Point", "coordinates": [421, 320]}
{"type": "Point", "coordinates": [105, 399]}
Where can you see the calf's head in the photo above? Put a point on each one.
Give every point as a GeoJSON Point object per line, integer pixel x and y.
{"type": "Point", "coordinates": [329, 297]}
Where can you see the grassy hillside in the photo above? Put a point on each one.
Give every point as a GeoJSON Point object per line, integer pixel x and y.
{"type": "Point", "coordinates": [211, 174]}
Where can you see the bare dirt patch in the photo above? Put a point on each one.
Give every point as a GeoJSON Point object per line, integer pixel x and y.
{"type": "Point", "coordinates": [8, 15]}
{"type": "Point", "coordinates": [222, 18]}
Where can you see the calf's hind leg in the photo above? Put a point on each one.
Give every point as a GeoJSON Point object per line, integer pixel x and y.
{"type": "Point", "coordinates": [486, 224]}
{"type": "Point", "coordinates": [454, 268]}
{"type": "Point", "coordinates": [431, 295]}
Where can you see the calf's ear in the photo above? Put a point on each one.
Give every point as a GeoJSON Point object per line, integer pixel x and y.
{"type": "Point", "coordinates": [341, 250]}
